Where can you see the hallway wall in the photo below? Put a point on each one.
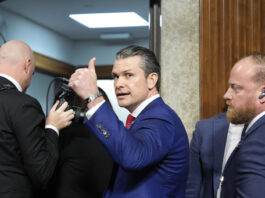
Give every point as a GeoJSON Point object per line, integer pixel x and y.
{"type": "Point", "coordinates": [180, 59]}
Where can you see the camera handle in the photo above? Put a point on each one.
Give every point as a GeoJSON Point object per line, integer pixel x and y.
{"type": "Point", "coordinates": [62, 99]}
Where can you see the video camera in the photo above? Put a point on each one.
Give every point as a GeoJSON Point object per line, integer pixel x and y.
{"type": "Point", "coordinates": [65, 93]}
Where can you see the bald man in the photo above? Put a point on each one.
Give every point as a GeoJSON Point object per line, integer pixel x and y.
{"type": "Point", "coordinates": [28, 143]}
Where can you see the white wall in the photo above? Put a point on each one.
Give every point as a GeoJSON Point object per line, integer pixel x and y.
{"type": "Point", "coordinates": [104, 51]}
{"type": "Point", "coordinates": [39, 87]}
{"type": "Point", "coordinates": [107, 86]}
{"type": "Point", "coordinates": [39, 38]}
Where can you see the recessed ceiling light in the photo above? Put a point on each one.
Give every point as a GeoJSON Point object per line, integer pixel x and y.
{"type": "Point", "coordinates": [108, 20]}
{"type": "Point", "coordinates": [113, 36]}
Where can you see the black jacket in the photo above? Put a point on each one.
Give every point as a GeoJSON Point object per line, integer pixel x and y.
{"type": "Point", "coordinates": [28, 151]}
{"type": "Point", "coordinates": [84, 167]}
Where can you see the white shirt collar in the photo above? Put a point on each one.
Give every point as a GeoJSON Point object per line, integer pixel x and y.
{"type": "Point", "coordinates": [139, 109]}
{"type": "Point", "coordinates": [13, 81]}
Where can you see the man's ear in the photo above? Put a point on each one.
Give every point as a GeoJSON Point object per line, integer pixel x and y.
{"type": "Point", "coordinates": [152, 79]}
{"type": "Point", "coordinates": [262, 95]}
{"type": "Point", "coordinates": [27, 63]}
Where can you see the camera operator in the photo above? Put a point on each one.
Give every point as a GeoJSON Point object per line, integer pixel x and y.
{"type": "Point", "coordinates": [84, 168]}
{"type": "Point", "coordinates": [28, 144]}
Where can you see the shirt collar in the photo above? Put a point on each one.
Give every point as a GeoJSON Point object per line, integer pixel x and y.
{"type": "Point", "coordinates": [235, 129]}
{"type": "Point", "coordinates": [13, 81]}
{"type": "Point", "coordinates": [139, 109]}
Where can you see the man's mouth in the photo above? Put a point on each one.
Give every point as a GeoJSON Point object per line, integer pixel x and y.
{"type": "Point", "coordinates": [122, 94]}
{"type": "Point", "coordinates": [230, 107]}
{"type": "Point", "coordinates": [228, 103]}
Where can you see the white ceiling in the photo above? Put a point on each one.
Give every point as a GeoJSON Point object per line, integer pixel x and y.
{"type": "Point", "coordinates": [53, 14]}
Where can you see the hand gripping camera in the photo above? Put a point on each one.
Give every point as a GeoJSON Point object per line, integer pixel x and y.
{"type": "Point", "coordinates": [65, 93]}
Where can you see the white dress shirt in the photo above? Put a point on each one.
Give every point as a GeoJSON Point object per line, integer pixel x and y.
{"type": "Point", "coordinates": [232, 140]}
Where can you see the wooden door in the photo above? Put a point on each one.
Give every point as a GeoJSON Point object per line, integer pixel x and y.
{"type": "Point", "coordinates": [229, 30]}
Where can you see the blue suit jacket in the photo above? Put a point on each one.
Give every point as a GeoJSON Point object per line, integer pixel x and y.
{"type": "Point", "coordinates": [244, 173]}
{"type": "Point", "coordinates": [152, 156]}
{"type": "Point", "coordinates": [206, 157]}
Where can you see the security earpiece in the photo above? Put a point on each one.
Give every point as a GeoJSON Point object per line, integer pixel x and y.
{"type": "Point", "coordinates": [262, 95]}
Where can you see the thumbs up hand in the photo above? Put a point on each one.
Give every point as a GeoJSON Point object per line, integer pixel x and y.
{"type": "Point", "coordinates": [84, 80]}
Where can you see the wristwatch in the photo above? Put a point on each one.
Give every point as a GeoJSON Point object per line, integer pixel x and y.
{"type": "Point", "coordinates": [93, 97]}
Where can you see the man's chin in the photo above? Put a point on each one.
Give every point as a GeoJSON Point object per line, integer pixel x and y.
{"type": "Point", "coordinates": [237, 118]}
{"type": "Point", "coordinates": [122, 104]}
{"type": "Point", "coordinates": [232, 117]}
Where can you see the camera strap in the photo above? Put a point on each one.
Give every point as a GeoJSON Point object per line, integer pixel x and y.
{"type": "Point", "coordinates": [6, 87]}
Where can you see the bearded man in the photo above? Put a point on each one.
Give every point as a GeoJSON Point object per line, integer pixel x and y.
{"type": "Point", "coordinates": [244, 173]}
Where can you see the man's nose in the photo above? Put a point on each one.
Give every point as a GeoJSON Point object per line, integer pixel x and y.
{"type": "Point", "coordinates": [119, 82]}
{"type": "Point", "coordinates": [227, 94]}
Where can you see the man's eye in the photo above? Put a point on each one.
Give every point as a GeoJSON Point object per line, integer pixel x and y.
{"type": "Point", "coordinates": [233, 87]}
{"type": "Point", "coordinates": [236, 88]}
{"type": "Point", "coordinates": [129, 75]}
{"type": "Point", "coordinates": [115, 76]}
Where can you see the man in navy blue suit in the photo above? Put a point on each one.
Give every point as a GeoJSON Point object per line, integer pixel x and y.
{"type": "Point", "coordinates": [151, 155]}
{"type": "Point", "coordinates": [206, 156]}
{"type": "Point", "coordinates": [244, 173]}
{"type": "Point", "coordinates": [212, 142]}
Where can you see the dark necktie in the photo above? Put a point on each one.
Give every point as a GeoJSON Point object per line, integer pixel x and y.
{"type": "Point", "coordinates": [129, 121]}
{"type": "Point", "coordinates": [244, 130]}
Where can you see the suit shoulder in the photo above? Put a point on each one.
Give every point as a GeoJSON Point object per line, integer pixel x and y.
{"type": "Point", "coordinates": [18, 99]}
{"type": "Point", "coordinates": [221, 116]}
{"type": "Point", "coordinates": [166, 116]}
{"type": "Point", "coordinates": [27, 98]}
{"type": "Point", "coordinates": [206, 126]}
{"type": "Point", "coordinates": [159, 109]}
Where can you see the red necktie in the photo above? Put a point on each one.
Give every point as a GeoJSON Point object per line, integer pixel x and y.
{"type": "Point", "coordinates": [129, 121]}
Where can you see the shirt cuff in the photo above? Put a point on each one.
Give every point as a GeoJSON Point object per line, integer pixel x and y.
{"type": "Point", "coordinates": [49, 126]}
{"type": "Point", "coordinates": [91, 111]}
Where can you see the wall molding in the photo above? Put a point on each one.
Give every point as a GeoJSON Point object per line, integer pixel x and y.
{"type": "Point", "coordinates": [60, 68]}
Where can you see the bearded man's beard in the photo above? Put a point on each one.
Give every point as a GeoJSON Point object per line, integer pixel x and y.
{"type": "Point", "coordinates": [240, 116]}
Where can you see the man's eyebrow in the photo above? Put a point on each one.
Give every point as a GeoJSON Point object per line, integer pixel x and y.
{"type": "Point", "coordinates": [125, 71]}
{"type": "Point", "coordinates": [236, 86]}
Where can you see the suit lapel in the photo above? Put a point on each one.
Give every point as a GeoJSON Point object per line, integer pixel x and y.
{"type": "Point", "coordinates": [257, 124]}
{"type": "Point", "coordinates": [220, 128]}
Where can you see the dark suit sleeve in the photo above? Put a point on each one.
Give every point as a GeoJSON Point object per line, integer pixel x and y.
{"type": "Point", "coordinates": [38, 147]}
{"type": "Point", "coordinates": [194, 181]}
{"type": "Point", "coordinates": [148, 142]}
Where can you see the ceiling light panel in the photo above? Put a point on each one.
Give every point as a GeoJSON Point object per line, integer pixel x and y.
{"type": "Point", "coordinates": [110, 20]}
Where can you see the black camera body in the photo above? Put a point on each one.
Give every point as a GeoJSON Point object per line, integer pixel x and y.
{"type": "Point", "coordinates": [65, 93]}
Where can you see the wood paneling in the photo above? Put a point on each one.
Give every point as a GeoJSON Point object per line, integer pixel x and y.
{"type": "Point", "coordinates": [155, 28]}
{"type": "Point", "coordinates": [59, 68]}
{"type": "Point", "coordinates": [53, 66]}
{"type": "Point", "coordinates": [103, 71]}
{"type": "Point", "coordinates": [229, 30]}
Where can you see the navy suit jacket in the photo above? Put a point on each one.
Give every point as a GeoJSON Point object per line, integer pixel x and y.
{"type": "Point", "coordinates": [244, 173]}
{"type": "Point", "coordinates": [206, 157]}
{"type": "Point", "coordinates": [152, 156]}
